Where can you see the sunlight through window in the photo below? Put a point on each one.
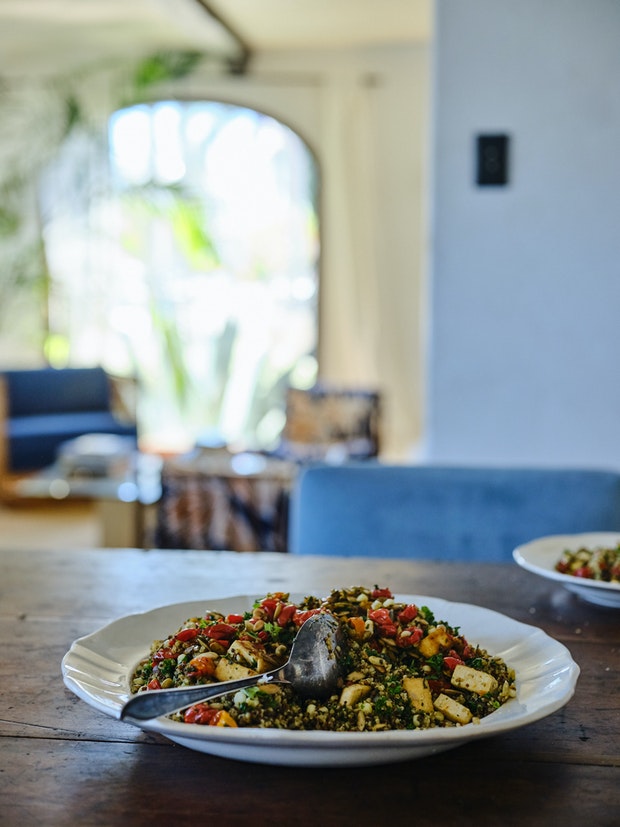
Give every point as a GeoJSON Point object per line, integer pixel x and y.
{"type": "Point", "coordinates": [195, 267]}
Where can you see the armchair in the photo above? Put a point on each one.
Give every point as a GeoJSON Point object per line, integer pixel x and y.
{"type": "Point", "coordinates": [42, 408]}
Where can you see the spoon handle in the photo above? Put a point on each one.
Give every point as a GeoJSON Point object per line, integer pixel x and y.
{"type": "Point", "coordinates": [156, 702]}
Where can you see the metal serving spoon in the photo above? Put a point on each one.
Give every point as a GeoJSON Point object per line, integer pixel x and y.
{"type": "Point", "coordinates": [312, 669]}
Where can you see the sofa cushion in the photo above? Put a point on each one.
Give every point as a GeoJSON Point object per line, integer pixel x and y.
{"type": "Point", "coordinates": [33, 441]}
{"type": "Point", "coordinates": [52, 390]}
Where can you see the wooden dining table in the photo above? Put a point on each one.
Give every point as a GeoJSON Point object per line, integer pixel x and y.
{"type": "Point", "coordinates": [62, 762]}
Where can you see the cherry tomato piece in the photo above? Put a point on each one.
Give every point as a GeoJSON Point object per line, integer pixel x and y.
{"type": "Point", "coordinates": [409, 613]}
{"type": "Point", "coordinates": [411, 639]}
{"type": "Point", "coordinates": [187, 634]}
{"type": "Point", "coordinates": [381, 618]}
{"type": "Point", "coordinates": [203, 665]}
{"type": "Point", "coordinates": [163, 654]}
{"type": "Point", "coordinates": [378, 594]}
{"type": "Point", "coordinates": [300, 617]}
{"type": "Point", "coordinates": [286, 615]}
{"type": "Point", "coordinates": [200, 714]}
{"type": "Point", "coordinates": [220, 631]}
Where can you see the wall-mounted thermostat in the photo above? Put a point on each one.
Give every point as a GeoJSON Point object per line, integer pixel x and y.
{"type": "Point", "coordinates": [492, 160]}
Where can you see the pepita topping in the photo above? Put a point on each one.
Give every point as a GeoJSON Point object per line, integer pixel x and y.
{"type": "Point", "coordinates": [403, 667]}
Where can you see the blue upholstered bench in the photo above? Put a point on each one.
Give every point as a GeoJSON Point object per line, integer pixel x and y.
{"type": "Point", "coordinates": [449, 513]}
{"type": "Point", "coordinates": [45, 407]}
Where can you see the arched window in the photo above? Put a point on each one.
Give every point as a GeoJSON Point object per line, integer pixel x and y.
{"type": "Point", "coordinates": [190, 258]}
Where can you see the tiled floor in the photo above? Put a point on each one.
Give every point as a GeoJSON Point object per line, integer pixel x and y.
{"type": "Point", "coordinates": [47, 526]}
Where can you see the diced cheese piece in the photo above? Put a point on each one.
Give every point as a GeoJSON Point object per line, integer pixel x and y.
{"type": "Point", "coordinates": [464, 677]}
{"type": "Point", "coordinates": [228, 671]}
{"type": "Point", "coordinates": [419, 694]}
{"type": "Point", "coordinates": [434, 641]}
{"type": "Point", "coordinates": [452, 709]}
{"type": "Point", "coordinates": [353, 693]}
{"type": "Point", "coordinates": [249, 654]}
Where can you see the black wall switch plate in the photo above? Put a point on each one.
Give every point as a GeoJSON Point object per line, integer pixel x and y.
{"type": "Point", "coordinates": [492, 160]}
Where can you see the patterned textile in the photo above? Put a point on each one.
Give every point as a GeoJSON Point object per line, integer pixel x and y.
{"type": "Point", "coordinates": [210, 506]}
{"type": "Point", "coordinates": [331, 424]}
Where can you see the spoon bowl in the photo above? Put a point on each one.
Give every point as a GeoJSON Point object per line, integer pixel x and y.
{"type": "Point", "coordinates": [313, 670]}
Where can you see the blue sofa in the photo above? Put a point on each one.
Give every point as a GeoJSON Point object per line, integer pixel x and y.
{"type": "Point", "coordinates": [43, 408]}
{"type": "Point", "coordinates": [448, 513]}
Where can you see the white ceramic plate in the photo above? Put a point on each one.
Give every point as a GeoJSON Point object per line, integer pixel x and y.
{"type": "Point", "coordinates": [98, 667]}
{"type": "Point", "coordinates": [540, 557]}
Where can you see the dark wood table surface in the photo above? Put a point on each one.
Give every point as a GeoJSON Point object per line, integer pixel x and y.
{"type": "Point", "coordinates": [64, 763]}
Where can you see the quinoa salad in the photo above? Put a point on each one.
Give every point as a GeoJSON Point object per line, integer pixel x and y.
{"type": "Point", "coordinates": [402, 667]}
{"type": "Point", "coordinates": [601, 564]}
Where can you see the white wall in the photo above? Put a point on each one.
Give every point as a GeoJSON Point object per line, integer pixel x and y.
{"type": "Point", "coordinates": [524, 344]}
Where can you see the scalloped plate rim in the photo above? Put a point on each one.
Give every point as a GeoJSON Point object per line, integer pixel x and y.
{"type": "Point", "coordinates": [540, 555]}
{"type": "Point", "coordinates": [554, 672]}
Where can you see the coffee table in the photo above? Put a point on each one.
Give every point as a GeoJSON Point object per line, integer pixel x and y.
{"type": "Point", "coordinates": [124, 500]}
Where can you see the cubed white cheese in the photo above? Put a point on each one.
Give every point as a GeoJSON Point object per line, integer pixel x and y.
{"type": "Point", "coordinates": [419, 694]}
{"type": "Point", "coordinates": [453, 710]}
{"type": "Point", "coordinates": [464, 677]}
{"type": "Point", "coordinates": [228, 671]}
{"type": "Point", "coordinates": [353, 693]}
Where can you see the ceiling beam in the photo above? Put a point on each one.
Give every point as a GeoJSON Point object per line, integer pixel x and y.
{"type": "Point", "coordinates": [239, 63]}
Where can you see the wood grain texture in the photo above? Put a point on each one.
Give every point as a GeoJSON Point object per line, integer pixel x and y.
{"type": "Point", "coordinates": [64, 763]}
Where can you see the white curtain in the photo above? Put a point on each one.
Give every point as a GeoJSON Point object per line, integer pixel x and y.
{"type": "Point", "coordinates": [369, 310]}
